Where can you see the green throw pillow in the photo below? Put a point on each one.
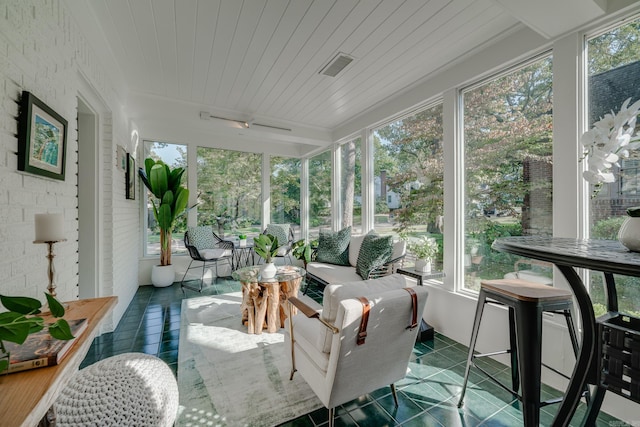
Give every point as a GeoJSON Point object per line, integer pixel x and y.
{"type": "Point", "coordinates": [374, 252]}
{"type": "Point", "coordinates": [202, 237]}
{"type": "Point", "coordinates": [333, 248]}
{"type": "Point", "coordinates": [280, 232]}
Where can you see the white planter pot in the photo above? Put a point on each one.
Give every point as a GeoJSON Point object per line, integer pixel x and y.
{"type": "Point", "coordinates": [243, 243]}
{"type": "Point", "coordinates": [163, 275]}
{"type": "Point", "coordinates": [467, 260]}
{"type": "Point", "coordinates": [268, 271]}
{"type": "Point", "coordinates": [423, 266]}
{"type": "Point", "coordinates": [629, 234]}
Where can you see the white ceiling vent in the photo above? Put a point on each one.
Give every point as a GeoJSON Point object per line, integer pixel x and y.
{"type": "Point", "coordinates": [337, 64]}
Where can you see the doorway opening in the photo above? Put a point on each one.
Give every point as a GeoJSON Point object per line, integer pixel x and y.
{"type": "Point", "coordinates": [88, 199]}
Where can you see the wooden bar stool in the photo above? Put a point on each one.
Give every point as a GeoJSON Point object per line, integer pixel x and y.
{"type": "Point", "coordinates": [526, 302]}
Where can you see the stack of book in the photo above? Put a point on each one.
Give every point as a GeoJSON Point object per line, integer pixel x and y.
{"type": "Point", "coordinates": [41, 349]}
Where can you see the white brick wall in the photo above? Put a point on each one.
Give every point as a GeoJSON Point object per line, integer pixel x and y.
{"type": "Point", "coordinates": [122, 246]}
{"type": "Point", "coordinates": [42, 51]}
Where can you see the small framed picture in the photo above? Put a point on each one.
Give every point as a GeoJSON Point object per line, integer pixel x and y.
{"type": "Point", "coordinates": [121, 158]}
{"type": "Point", "coordinates": [131, 177]}
{"type": "Point", "coordinates": [42, 139]}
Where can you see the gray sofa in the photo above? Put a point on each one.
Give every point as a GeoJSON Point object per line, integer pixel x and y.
{"type": "Point", "coordinates": [325, 273]}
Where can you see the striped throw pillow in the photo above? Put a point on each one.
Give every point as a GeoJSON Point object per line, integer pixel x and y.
{"type": "Point", "coordinates": [374, 253]}
{"type": "Point", "coordinates": [333, 247]}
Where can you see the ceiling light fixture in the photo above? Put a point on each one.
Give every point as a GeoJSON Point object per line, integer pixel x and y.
{"type": "Point", "coordinates": [206, 116]}
{"type": "Point", "coordinates": [271, 127]}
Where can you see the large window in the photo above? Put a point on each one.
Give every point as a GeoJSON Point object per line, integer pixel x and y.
{"type": "Point", "coordinates": [174, 155]}
{"type": "Point", "coordinates": [285, 190]}
{"type": "Point", "coordinates": [229, 191]}
{"type": "Point", "coordinates": [508, 167]}
{"type": "Point", "coordinates": [350, 185]}
{"type": "Point", "coordinates": [408, 168]}
{"type": "Point", "coordinates": [613, 76]}
{"type": "Point", "coordinates": [319, 193]}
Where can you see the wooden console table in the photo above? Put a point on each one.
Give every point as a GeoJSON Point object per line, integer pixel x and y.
{"type": "Point", "coordinates": [25, 397]}
{"type": "Point", "coordinates": [265, 299]}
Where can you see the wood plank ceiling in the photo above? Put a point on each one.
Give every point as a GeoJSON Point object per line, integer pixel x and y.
{"type": "Point", "coordinates": [261, 58]}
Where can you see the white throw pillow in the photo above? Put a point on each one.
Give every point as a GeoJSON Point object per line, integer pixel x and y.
{"type": "Point", "coordinates": [215, 253]}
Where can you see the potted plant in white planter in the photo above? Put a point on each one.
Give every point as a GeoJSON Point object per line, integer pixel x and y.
{"type": "Point", "coordinates": [266, 246]}
{"type": "Point", "coordinates": [425, 249]}
{"type": "Point", "coordinates": [242, 238]}
{"type": "Point", "coordinates": [171, 199]}
{"type": "Point", "coordinates": [473, 251]}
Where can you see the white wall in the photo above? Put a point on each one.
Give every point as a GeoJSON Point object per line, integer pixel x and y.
{"type": "Point", "coordinates": [42, 51]}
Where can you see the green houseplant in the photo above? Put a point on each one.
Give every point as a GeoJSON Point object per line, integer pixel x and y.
{"type": "Point", "coordinates": [425, 249]}
{"type": "Point", "coordinates": [266, 246]}
{"type": "Point", "coordinates": [171, 199]}
{"type": "Point", "coordinates": [21, 319]}
{"type": "Point", "coordinates": [302, 251]}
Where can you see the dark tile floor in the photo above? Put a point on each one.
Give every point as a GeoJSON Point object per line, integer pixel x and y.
{"type": "Point", "coordinates": [428, 395]}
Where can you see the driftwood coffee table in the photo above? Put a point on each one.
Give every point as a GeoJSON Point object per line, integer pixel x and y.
{"type": "Point", "coordinates": [263, 300]}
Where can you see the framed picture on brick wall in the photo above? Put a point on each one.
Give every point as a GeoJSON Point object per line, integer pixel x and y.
{"type": "Point", "coordinates": [131, 177]}
{"type": "Point", "coordinates": [121, 158]}
{"type": "Point", "coordinates": [42, 138]}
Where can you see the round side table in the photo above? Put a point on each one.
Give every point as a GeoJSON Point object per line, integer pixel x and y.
{"type": "Point", "coordinates": [263, 300]}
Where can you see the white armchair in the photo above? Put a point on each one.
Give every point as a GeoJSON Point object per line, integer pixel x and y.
{"type": "Point", "coordinates": [337, 358]}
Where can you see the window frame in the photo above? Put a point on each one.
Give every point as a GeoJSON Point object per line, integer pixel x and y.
{"type": "Point", "coordinates": [461, 241]}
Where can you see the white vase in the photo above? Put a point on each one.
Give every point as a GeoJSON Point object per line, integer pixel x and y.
{"type": "Point", "coordinates": [163, 275]}
{"type": "Point", "coordinates": [243, 243]}
{"type": "Point", "coordinates": [423, 266]}
{"type": "Point", "coordinates": [268, 271]}
{"type": "Point", "coordinates": [629, 233]}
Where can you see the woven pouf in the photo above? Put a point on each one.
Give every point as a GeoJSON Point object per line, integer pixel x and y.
{"type": "Point", "coordinates": [131, 389]}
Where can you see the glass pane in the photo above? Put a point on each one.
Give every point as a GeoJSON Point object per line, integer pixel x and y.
{"type": "Point", "coordinates": [319, 193]}
{"type": "Point", "coordinates": [614, 64]}
{"type": "Point", "coordinates": [230, 191]}
{"type": "Point", "coordinates": [285, 190]}
{"type": "Point", "coordinates": [174, 155]}
{"type": "Point", "coordinates": [408, 166]}
{"type": "Point", "coordinates": [508, 170]}
{"type": "Point", "coordinates": [351, 185]}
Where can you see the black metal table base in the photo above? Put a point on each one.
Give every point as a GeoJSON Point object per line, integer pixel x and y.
{"type": "Point", "coordinates": [426, 332]}
{"type": "Point", "coordinates": [568, 254]}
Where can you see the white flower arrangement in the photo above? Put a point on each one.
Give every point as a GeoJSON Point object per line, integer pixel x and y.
{"type": "Point", "coordinates": [610, 139]}
{"type": "Point", "coordinates": [423, 248]}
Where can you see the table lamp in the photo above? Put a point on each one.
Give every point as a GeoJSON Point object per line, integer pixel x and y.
{"type": "Point", "coordinates": [49, 230]}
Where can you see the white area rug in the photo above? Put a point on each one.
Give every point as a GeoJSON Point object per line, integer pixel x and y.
{"type": "Point", "coordinates": [227, 377]}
